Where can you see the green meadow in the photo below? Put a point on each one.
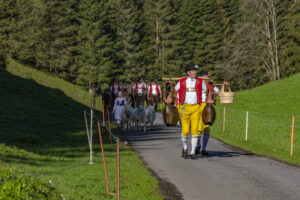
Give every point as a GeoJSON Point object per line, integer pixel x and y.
{"type": "Point", "coordinates": [270, 109]}
{"type": "Point", "coordinates": [43, 137]}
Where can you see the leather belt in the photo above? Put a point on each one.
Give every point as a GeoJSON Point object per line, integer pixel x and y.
{"type": "Point", "coordinates": [190, 90]}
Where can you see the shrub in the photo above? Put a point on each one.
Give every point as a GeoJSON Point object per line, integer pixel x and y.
{"type": "Point", "coordinates": [13, 185]}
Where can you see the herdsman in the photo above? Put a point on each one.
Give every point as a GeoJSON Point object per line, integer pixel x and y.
{"type": "Point", "coordinates": [190, 94]}
{"type": "Point", "coordinates": [154, 94]}
{"type": "Point", "coordinates": [115, 89]}
{"type": "Point", "coordinates": [202, 128]}
{"type": "Point", "coordinates": [139, 91]}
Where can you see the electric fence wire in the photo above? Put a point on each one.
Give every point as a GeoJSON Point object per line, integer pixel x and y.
{"type": "Point", "coordinates": [272, 122]}
{"type": "Point", "coordinates": [263, 113]}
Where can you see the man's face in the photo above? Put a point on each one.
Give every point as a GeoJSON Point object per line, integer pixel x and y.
{"type": "Point", "coordinates": [192, 73]}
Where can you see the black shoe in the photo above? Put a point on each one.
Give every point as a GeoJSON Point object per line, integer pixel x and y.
{"type": "Point", "coordinates": [204, 153]}
{"type": "Point", "coordinates": [197, 151]}
{"type": "Point", "coordinates": [194, 157]}
{"type": "Point", "coordinates": [184, 153]}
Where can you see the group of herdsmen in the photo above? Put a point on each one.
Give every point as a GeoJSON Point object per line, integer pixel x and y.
{"type": "Point", "coordinates": [137, 93]}
{"type": "Point", "coordinates": [191, 100]}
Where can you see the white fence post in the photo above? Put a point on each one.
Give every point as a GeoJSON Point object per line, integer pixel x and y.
{"type": "Point", "coordinates": [89, 138]}
{"type": "Point", "coordinates": [246, 138]}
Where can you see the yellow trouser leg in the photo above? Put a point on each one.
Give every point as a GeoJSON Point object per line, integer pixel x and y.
{"type": "Point", "coordinates": [190, 119]}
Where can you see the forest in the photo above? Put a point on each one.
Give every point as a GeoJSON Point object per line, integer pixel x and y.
{"type": "Point", "coordinates": [94, 42]}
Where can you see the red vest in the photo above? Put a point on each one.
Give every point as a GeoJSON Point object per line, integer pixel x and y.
{"type": "Point", "coordinates": [157, 89]}
{"type": "Point", "coordinates": [137, 85]}
{"type": "Point", "coordinates": [113, 87]}
{"type": "Point", "coordinates": [182, 90]}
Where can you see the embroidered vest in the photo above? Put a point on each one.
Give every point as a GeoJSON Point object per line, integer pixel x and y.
{"type": "Point", "coordinates": [157, 89]}
{"type": "Point", "coordinates": [182, 90]}
{"type": "Point", "coordinates": [137, 87]}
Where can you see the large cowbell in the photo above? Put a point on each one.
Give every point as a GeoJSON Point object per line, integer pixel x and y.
{"type": "Point", "coordinates": [208, 114]}
{"type": "Point", "coordinates": [171, 115]}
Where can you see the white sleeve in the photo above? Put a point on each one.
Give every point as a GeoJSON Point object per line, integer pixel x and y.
{"type": "Point", "coordinates": [133, 86]}
{"type": "Point", "coordinates": [149, 87]}
{"type": "Point", "coordinates": [216, 89]}
{"type": "Point", "coordinates": [204, 86]}
{"type": "Point", "coordinates": [158, 87]}
{"type": "Point", "coordinates": [177, 87]}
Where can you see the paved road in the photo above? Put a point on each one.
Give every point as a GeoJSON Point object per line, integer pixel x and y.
{"type": "Point", "coordinates": [225, 175]}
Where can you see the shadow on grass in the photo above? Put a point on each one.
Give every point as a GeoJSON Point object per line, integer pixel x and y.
{"type": "Point", "coordinates": [41, 120]}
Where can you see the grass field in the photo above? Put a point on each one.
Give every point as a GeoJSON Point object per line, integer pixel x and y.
{"type": "Point", "coordinates": [270, 108]}
{"type": "Point", "coordinates": [43, 134]}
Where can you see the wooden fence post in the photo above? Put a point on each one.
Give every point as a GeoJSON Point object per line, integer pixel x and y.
{"type": "Point", "coordinates": [292, 135]}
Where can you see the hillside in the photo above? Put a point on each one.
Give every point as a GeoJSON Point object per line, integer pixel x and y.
{"type": "Point", "coordinates": [43, 135]}
{"type": "Point", "coordinates": [270, 108]}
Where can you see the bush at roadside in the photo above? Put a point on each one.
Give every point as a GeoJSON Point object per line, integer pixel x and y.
{"type": "Point", "coordinates": [13, 185]}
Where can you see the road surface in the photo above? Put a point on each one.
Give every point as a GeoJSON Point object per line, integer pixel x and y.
{"type": "Point", "coordinates": [226, 174]}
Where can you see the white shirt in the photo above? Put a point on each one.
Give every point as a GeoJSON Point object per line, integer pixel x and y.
{"type": "Point", "coordinates": [154, 89]}
{"type": "Point", "coordinates": [116, 88]}
{"type": "Point", "coordinates": [204, 93]}
{"type": "Point", "coordinates": [140, 87]}
{"type": "Point", "coordinates": [190, 97]}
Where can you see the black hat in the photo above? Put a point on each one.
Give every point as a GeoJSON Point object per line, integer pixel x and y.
{"type": "Point", "coordinates": [191, 67]}
{"type": "Point", "coordinates": [203, 73]}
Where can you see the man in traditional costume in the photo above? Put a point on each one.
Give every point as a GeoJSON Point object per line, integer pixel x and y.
{"type": "Point", "coordinates": [115, 89]}
{"type": "Point", "coordinates": [154, 94]}
{"type": "Point", "coordinates": [139, 91]}
{"type": "Point", "coordinates": [202, 128]}
{"type": "Point", "coordinates": [190, 94]}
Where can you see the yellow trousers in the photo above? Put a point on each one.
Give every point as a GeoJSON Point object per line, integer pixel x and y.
{"type": "Point", "coordinates": [190, 115]}
{"type": "Point", "coordinates": [201, 126]}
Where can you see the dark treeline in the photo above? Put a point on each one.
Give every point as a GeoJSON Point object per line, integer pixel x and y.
{"type": "Point", "coordinates": [93, 41]}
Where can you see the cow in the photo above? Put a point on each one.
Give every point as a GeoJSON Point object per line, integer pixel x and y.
{"type": "Point", "coordinates": [149, 117]}
{"type": "Point", "coordinates": [126, 117]}
{"type": "Point", "coordinates": [138, 117]}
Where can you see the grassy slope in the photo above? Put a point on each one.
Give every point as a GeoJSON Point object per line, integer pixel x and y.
{"type": "Point", "coordinates": [42, 130]}
{"type": "Point", "coordinates": [270, 108]}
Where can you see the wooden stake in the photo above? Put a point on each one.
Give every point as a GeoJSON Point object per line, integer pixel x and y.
{"type": "Point", "coordinates": [246, 137]}
{"type": "Point", "coordinates": [103, 158]}
{"type": "Point", "coordinates": [103, 113]}
{"type": "Point", "coordinates": [118, 169]}
{"type": "Point", "coordinates": [109, 130]}
{"type": "Point", "coordinates": [292, 135]}
{"type": "Point", "coordinates": [224, 113]}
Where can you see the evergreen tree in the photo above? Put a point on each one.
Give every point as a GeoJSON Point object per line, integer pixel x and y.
{"type": "Point", "coordinates": [63, 33]}
{"type": "Point", "coordinates": [8, 14]}
{"type": "Point", "coordinates": [290, 49]}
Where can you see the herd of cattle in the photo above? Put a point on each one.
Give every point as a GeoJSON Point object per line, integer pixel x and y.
{"type": "Point", "coordinates": [137, 118]}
